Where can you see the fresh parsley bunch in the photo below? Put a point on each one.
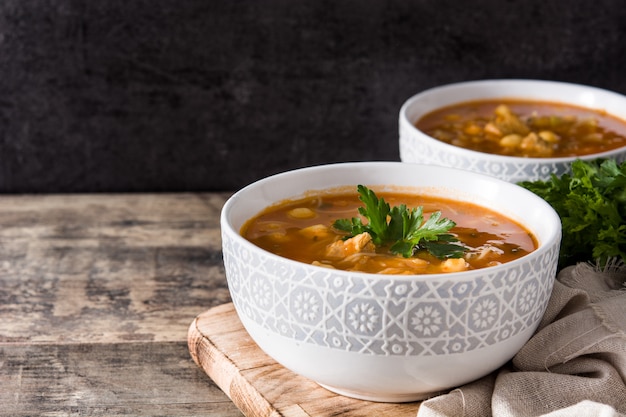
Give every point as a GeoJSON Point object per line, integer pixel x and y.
{"type": "Point", "coordinates": [403, 229]}
{"type": "Point", "coordinates": [591, 203]}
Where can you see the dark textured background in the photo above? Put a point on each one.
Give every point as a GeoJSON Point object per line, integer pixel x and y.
{"type": "Point", "coordinates": [191, 95]}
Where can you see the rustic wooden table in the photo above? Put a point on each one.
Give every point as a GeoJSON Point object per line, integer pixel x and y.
{"type": "Point", "coordinates": [96, 295]}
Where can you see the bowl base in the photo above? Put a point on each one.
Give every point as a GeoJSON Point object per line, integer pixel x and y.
{"type": "Point", "coordinates": [381, 398]}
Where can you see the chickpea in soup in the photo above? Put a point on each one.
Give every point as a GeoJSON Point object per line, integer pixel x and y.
{"type": "Point", "coordinates": [306, 230]}
{"type": "Point", "coordinates": [525, 128]}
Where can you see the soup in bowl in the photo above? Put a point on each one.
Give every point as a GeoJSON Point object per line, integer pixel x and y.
{"type": "Point", "coordinates": [357, 230]}
{"type": "Point", "coordinates": [516, 130]}
{"type": "Point", "coordinates": [391, 334]}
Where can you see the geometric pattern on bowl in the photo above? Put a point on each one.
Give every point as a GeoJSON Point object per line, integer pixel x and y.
{"type": "Point", "coordinates": [387, 316]}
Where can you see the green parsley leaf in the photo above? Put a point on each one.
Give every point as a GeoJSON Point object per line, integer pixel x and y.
{"type": "Point", "coordinates": [376, 212]}
{"type": "Point", "coordinates": [403, 229]}
{"type": "Point", "coordinates": [591, 203]}
{"type": "Point", "coordinates": [445, 247]}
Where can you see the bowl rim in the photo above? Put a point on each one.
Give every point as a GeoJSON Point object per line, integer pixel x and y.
{"type": "Point", "coordinates": [227, 226]}
{"type": "Point", "coordinates": [518, 82]}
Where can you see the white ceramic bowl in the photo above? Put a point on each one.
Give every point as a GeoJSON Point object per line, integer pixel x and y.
{"type": "Point", "coordinates": [391, 338]}
{"type": "Point", "coordinates": [417, 147]}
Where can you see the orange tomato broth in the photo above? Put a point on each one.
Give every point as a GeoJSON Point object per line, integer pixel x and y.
{"type": "Point", "coordinates": [595, 131]}
{"type": "Point", "coordinates": [492, 238]}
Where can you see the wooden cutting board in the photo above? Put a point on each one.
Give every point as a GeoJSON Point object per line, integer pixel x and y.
{"type": "Point", "coordinates": [258, 385]}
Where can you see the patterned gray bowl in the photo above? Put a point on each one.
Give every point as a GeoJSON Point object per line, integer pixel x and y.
{"type": "Point", "coordinates": [417, 147]}
{"type": "Point", "coordinates": [391, 338]}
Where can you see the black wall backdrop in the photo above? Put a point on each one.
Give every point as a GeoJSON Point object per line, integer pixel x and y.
{"type": "Point", "coordinates": [202, 95]}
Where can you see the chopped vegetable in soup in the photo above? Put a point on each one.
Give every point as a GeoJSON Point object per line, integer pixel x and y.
{"type": "Point", "coordinates": [525, 128]}
{"type": "Point", "coordinates": [442, 235]}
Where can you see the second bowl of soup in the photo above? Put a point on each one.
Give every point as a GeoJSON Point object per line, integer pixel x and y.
{"type": "Point", "coordinates": [516, 130]}
{"type": "Point", "coordinates": [389, 281]}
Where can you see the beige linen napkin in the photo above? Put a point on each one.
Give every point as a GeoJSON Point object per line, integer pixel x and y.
{"type": "Point", "coordinates": [574, 365]}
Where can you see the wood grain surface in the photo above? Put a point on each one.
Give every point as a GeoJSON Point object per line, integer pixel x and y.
{"type": "Point", "coordinates": [258, 385]}
{"type": "Point", "coordinates": [96, 295]}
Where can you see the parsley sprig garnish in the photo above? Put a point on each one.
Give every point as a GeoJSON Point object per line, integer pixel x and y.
{"type": "Point", "coordinates": [404, 230]}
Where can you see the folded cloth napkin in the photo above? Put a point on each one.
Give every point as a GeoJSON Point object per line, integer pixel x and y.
{"type": "Point", "coordinates": [574, 364]}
